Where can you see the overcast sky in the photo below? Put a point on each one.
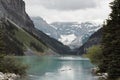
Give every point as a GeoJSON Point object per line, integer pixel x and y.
{"type": "Point", "coordinates": [69, 10]}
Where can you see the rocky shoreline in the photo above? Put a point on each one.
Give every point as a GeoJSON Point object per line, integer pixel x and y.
{"type": "Point", "coordinates": [9, 76]}
{"type": "Point", "coordinates": [100, 76]}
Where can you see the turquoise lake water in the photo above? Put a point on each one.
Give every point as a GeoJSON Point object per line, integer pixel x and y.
{"type": "Point", "coordinates": [58, 68]}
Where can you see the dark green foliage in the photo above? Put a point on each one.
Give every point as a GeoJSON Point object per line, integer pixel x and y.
{"type": "Point", "coordinates": [111, 43]}
{"type": "Point", "coordinates": [37, 47]}
{"type": "Point", "coordinates": [11, 65]}
{"type": "Point", "coordinates": [94, 53]}
{"type": "Point", "coordinates": [8, 43]}
{"type": "Point", "coordinates": [36, 37]}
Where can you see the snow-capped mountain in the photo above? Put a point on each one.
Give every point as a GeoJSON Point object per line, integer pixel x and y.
{"type": "Point", "coordinates": [75, 34]}
{"type": "Point", "coordinates": [72, 34]}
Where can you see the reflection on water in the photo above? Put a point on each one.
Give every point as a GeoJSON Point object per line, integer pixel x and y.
{"type": "Point", "coordinates": [58, 68]}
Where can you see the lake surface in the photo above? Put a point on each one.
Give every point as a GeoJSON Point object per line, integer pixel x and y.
{"type": "Point", "coordinates": [58, 68]}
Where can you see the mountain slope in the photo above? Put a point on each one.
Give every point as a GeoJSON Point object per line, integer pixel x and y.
{"type": "Point", "coordinates": [95, 39]}
{"type": "Point", "coordinates": [20, 38]}
{"type": "Point", "coordinates": [44, 27]}
{"type": "Point", "coordinates": [14, 12]}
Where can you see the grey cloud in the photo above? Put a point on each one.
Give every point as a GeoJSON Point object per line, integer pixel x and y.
{"type": "Point", "coordinates": [65, 4]}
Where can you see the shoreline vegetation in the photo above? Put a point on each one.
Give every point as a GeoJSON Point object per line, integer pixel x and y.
{"type": "Point", "coordinates": [106, 56]}
{"type": "Point", "coordinates": [9, 66]}
{"type": "Point", "coordinates": [11, 69]}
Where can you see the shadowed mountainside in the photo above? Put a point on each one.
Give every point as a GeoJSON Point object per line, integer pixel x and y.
{"type": "Point", "coordinates": [14, 10]}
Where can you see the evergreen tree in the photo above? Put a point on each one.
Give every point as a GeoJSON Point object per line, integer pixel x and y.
{"type": "Point", "coordinates": [111, 42]}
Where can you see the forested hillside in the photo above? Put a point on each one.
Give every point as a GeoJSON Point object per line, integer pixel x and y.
{"type": "Point", "coordinates": [16, 41]}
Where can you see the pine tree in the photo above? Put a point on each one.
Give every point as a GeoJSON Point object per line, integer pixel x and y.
{"type": "Point", "coordinates": [111, 42]}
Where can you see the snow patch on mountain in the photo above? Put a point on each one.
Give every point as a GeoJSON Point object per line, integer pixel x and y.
{"type": "Point", "coordinates": [67, 39]}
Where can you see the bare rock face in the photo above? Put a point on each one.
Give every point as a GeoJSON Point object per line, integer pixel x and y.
{"type": "Point", "coordinates": [15, 11]}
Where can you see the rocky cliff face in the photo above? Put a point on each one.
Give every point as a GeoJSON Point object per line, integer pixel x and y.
{"type": "Point", "coordinates": [15, 11]}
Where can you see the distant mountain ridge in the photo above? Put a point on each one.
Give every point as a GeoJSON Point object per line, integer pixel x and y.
{"type": "Point", "coordinates": [79, 32]}
{"type": "Point", "coordinates": [72, 34]}
{"type": "Point", "coordinates": [42, 25]}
